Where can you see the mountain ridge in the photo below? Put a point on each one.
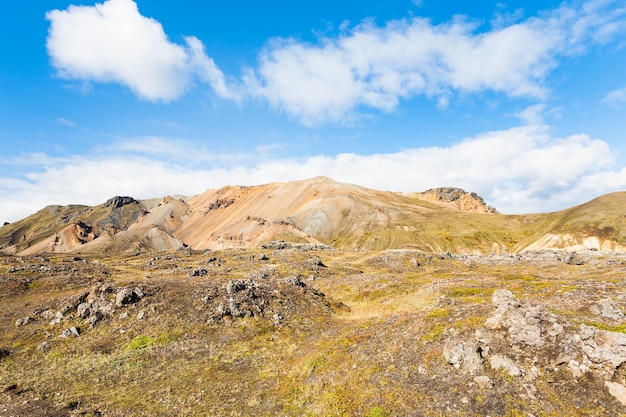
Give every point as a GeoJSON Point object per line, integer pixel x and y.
{"type": "Point", "coordinates": [318, 211]}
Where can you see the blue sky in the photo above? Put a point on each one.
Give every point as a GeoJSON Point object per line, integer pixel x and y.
{"type": "Point", "coordinates": [523, 102]}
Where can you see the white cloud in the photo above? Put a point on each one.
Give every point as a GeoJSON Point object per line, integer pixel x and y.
{"type": "Point", "coordinates": [518, 170]}
{"type": "Point", "coordinates": [330, 80]}
{"type": "Point", "coordinates": [66, 122]}
{"type": "Point", "coordinates": [532, 115]}
{"type": "Point", "coordinates": [615, 97]}
{"type": "Point", "coordinates": [380, 66]}
{"type": "Point", "coordinates": [207, 71]}
{"type": "Point", "coordinates": [113, 42]}
{"type": "Point", "coordinates": [154, 146]}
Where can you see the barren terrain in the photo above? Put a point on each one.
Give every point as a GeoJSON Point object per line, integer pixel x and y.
{"type": "Point", "coordinates": [305, 329]}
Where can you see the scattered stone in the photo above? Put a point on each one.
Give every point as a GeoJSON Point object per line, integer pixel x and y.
{"type": "Point", "coordinates": [23, 321]}
{"type": "Point", "coordinates": [530, 326]}
{"type": "Point", "coordinates": [608, 309]}
{"type": "Point", "coordinates": [57, 318]}
{"type": "Point", "coordinates": [238, 285]}
{"type": "Point", "coordinates": [244, 299]}
{"type": "Point", "coordinates": [199, 272]}
{"type": "Point", "coordinates": [83, 310]}
{"type": "Point", "coordinates": [44, 346]}
{"type": "Point", "coordinates": [466, 355]}
{"type": "Point", "coordinates": [4, 353]}
{"type": "Point", "coordinates": [260, 274]}
{"type": "Point", "coordinates": [47, 314]}
{"type": "Point", "coordinates": [105, 290]}
{"type": "Point", "coordinates": [577, 369]}
{"type": "Point", "coordinates": [294, 280]}
{"type": "Point", "coordinates": [617, 390]}
{"type": "Point", "coordinates": [103, 307]}
{"type": "Point", "coordinates": [72, 331]}
{"type": "Point", "coordinates": [503, 299]}
{"type": "Point", "coordinates": [277, 245]}
{"type": "Point", "coordinates": [576, 259]}
{"type": "Point", "coordinates": [74, 302]}
{"type": "Point", "coordinates": [315, 262]}
{"type": "Point", "coordinates": [444, 301]}
{"type": "Point", "coordinates": [126, 296]}
{"type": "Point", "coordinates": [95, 318]}
{"type": "Point", "coordinates": [602, 346]}
{"type": "Point", "coordinates": [506, 364]}
{"type": "Point", "coordinates": [139, 292]}
{"type": "Point", "coordinates": [483, 381]}
{"type": "Point", "coordinates": [141, 315]}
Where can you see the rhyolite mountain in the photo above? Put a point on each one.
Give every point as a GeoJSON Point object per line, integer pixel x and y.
{"type": "Point", "coordinates": [319, 211]}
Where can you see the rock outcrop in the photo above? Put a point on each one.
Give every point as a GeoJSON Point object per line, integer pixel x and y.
{"type": "Point", "coordinates": [527, 341]}
{"type": "Point", "coordinates": [94, 306]}
{"type": "Point", "coordinates": [117, 202]}
{"type": "Point", "coordinates": [459, 199]}
{"type": "Point", "coordinates": [276, 298]}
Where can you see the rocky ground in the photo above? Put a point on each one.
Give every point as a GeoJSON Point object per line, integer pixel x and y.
{"type": "Point", "coordinates": [297, 330]}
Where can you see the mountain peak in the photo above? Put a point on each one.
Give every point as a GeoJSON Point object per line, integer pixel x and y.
{"type": "Point", "coordinates": [469, 202]}
{"type": "Point", "coordinates": [117, 202]}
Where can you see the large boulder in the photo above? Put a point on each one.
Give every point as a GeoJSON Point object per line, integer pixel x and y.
{"type": "Point", "coordinates": [528, 325]}
{"type": "Point", "coordinates": [603, 347]}
{"type": "Point", "coordinates": [127, 296]}
{"type": "Point", "coordinates": [506, 364]}
{"type": "Point", "coordinates": [464, 355]}
{"type": "Point", "coordinates": [607, 309]}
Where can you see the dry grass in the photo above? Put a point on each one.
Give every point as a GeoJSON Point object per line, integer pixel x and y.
{"type": "Point", "coordinates": [378, 355]}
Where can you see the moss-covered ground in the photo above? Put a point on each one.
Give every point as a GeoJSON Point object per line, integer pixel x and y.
{"type": "Point", "coordinates": [373, 349]}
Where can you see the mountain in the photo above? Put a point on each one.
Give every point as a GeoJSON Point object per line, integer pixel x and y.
{"type": "Point", "coordinates": [318, 211]}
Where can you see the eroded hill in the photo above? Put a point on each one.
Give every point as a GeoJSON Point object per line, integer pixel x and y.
{"type": "Point", "coordinates": [318, 211]}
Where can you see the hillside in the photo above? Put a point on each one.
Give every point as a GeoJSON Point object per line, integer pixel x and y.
{"type": "Point", "coordinates": [317, 211]}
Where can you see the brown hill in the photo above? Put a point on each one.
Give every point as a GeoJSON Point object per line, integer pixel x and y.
{"type": "Point", "coordinates": [319, 211]}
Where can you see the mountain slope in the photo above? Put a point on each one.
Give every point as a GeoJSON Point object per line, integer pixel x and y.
{"type": "Point", "coordinates": [599, 224]}
{"type": "Point", "coordinates": [318, 210]}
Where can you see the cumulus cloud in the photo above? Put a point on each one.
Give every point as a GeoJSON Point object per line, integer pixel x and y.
{"type": "Point", "coordinates": [113, 42]}
{"type": "Point", "coordinates": [518, 170]}
{"type": "Point", "coordinates": [330, 80]}
{"type": "Point", "coordinates": [377, 66]}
